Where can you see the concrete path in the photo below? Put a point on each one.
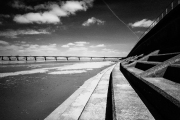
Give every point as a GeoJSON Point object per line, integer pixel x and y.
{"type": "Point", "coordinates": [72, 108]}
{"type": "Point", "coordinates": [96, 106]}
{"type": "Point", "coordinates": [128, 105]}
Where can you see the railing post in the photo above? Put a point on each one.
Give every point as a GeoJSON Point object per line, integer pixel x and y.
{"type": "Point", "coordinates": [166, 11]}
{"type": "Point", "coordinates": [162, 15]}
{"type": "Point", "coordinates": [157, 19]}
{"type": "Point", "coordinates": [178, 2]}
{"type": "Point", "coordinates": [172, 5]}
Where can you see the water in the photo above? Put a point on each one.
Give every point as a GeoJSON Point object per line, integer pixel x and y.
{"type": "Point", "coordinates": [31, 91]}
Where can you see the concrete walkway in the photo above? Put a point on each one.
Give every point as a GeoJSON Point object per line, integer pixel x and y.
{"type": "Point", "coordinates": [128, 105]}
{"type": "Point", "coordinates": [73, 107]}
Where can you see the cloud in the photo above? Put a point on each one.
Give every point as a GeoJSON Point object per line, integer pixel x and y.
{"type": "Point", "coordinates": [53, 13]}
{"type": "Point", "coordinates": [92, 21]}
{"type": "Point", "coordinates": [35, 47]}
{"type": "Point", "coordinates": [45, 17]}
{"type": "Point", "coordinates": [20, 5]}
{"type": "Point", "coordinates": [97, 46]}
{"type": "Point", "coordinates": [110, 50]}
{"type": "Point", "coordinates": [81, 43]}
{"type": "Point", "coordinates": [68, 45]}
{"type": "Point", "coordinates": [75, 44]}
{"type": "Point", "coordinates": [15, 33]}
{"type": "Point", "coordinates": [73, 6]}
{"type": "Point", "coordinates": [78, 49]}
{"type": "Point", "coordinates": [3, 42]}
{"type": "Point", "coordinates": [28, 49]}
{"type": "Point", "coordinates": [4, 16]}
{"type": "Point", "coordinates": [142, 23]}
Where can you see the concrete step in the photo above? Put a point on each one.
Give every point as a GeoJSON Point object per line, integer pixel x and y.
{"type": "Point", "coordinates": [170, 50]}
{"type": "Point", "coordinates": [166, 87]}
{"type": "Point", "coordinates": [161, 57]}
{"type": "Point", "coordinates": [80, 102]}
{"type": "Point", "coordinates": [172, 73]}
{"type": "Point", "coordinates": [144, 65]}
{"type": "Point", "coordinates": [160, 95]}
{"type": "Point", "coordinates": [127, 104]}
{"type": "Point", "coordinates": [160, 68]}
{"type": "Point", "coordinates": [95, 108]}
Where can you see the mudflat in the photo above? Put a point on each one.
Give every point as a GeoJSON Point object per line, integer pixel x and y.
{"type": "Point", "coordinates": [27, 94]}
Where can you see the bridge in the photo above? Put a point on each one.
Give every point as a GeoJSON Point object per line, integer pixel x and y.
{"type": "Point", "coordinates": [11, 58]}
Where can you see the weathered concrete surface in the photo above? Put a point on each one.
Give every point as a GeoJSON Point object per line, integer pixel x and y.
{"type": "Point", "coordinates": [159, 68]}
{"type": "Point", "coordinates": [71, 109]}
{"type": "Point", "coordinates": [128, 105]}
{"type": "Point", "coordinates": [135, 70]}
{"type": "Point", "coordinates": [145, 58]}
{"type": "Point", "coordinates": [96, 106]}
{"type": "Point", "coordinates": [167, 87]}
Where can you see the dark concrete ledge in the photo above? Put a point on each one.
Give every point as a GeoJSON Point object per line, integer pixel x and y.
{"type": "Point", "coordinates": [160, 107]}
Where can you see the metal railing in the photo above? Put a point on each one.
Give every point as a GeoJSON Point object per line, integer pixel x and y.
{"type": "Point", "coordinates": [169, 8]}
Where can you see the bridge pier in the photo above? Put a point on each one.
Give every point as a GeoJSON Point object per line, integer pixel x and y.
{"type": "Point", "coordinates": [9, 57]}
{"type": "Point", "coordinates": [104, 59]}
{"type": "Point", "coordinates": [91, 59]}
{"type": "Point", "coordinates": [56, 58]}
{"type": "Point", "coordinates": [67, 58]}
{"type": "Point", "coordinates": [17, 58]}
{"type": "Point", "coordinates": [2, 58]}
{"type": "Point", "coordinates": [79, 58]}
{"type": "Point", "coordinates": [26, 58]}
{"type": "Point", "coordinates": [35, 58]}
{"type": "Point", "coordinates": [45, 58]}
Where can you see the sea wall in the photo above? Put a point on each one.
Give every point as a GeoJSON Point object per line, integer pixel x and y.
{"type": "Point", "coordinates": [165, 36]}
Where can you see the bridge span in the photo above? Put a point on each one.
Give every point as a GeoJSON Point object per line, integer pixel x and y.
{"type": "Point", "coordinates": [11, 58]}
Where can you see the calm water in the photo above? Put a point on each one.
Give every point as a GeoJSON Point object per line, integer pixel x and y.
{"type": "Point", "coordinates": [31, 91]}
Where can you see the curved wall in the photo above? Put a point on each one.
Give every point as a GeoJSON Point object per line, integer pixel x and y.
{"type": "Point", "coordinates": [165, 36]}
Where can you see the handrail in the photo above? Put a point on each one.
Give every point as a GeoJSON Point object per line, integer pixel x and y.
{"type": "Point", "coordinates": [170, 7]}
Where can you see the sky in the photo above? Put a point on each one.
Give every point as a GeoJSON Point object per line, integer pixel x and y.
{"type": "Point", "coordinates": [75, 27]}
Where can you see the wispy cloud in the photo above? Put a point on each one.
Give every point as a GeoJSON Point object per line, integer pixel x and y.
{"type": "Point", "coordinates": [4, 16]}
{"type": "Point", "coordinates": [110, 50]}
{"type": "Point", "coordinates": [20, 5]}
{"type": "Point", "coordinates": [142, 23]}
{"type": "Point", "coordinates": [45, 17]}
{"type": "Point", "coordinates": [73, 6]}
{"type": "Point", "coordinates": [28, 49]}
{"type": "Point", "coordinates": [53, 13]}
{"type": "Point", "coordinates": [81, 43]}
{"type": "Point", "coordinates": [67, 45]}
{"type": "Point", "coordinates": [3, 42]}
{"type": "Point", "coordinates": [92, 21]}
{"type": "Point", "coordinates": [97, 46]}
{"type": "Point", "coordinates": [78, 49]}
{"type": "Point", "coordinates": [75, 44]}
{"type": "Point", "coordinates": [15, 33]}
